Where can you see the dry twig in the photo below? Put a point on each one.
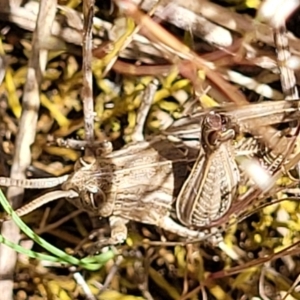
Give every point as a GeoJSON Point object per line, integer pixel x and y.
{"type": "Point", "coordinates": [26, 135]}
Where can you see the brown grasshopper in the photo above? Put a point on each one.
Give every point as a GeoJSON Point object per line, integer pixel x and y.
{"type": "Point", "coordinates": [208, 192]}
{"type": "Point", "coordinates": [138, 182]}
{"type": "Point", "coordinates": [210, 189]}
{"type": "Point", "coordinates": [141, 181]}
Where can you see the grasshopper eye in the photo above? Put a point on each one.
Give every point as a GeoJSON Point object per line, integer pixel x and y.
{"type": "Point", "coordinates": [213, 121]}
{"type": "Point", "coordinates": [97, 199]}
{"type": "Point", "coordinates": [100, 203]}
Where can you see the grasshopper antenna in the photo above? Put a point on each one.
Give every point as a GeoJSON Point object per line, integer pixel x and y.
{"type": "Point", "coordinates": [37, 183]}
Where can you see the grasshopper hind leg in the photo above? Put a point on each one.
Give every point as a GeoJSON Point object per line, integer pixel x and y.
{"type": "Point", "coordinates": [214, 237]}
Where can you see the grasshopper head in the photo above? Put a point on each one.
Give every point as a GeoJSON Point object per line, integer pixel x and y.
{"type": "Point", "coordinates": [91, 181]}
{"type": "Point", "coordinates": [216, 129]}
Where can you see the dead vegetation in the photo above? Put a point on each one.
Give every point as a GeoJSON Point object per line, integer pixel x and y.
{"type": "Point", "coordinates": [47, 86]}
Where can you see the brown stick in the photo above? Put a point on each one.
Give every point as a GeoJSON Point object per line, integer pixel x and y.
{"type": "Point", "coordinates": [87, 91]}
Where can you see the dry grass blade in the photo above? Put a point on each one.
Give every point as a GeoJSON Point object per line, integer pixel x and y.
{"type": "Point", "coordinates": [143, 111]}
{"type": "Point", "coordinates": [87, 91]}
{"type": "Point", "coordinates": [287, 75]}
{"type": "Point", "coordinates": [26, 134]}
{"type": "Point", "coordinates": [158, 34]}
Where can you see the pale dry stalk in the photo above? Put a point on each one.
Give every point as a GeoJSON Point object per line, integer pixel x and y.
{"type": "Point", "coordinates": [26, 136]}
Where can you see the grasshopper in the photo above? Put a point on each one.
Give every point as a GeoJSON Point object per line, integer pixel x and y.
{"type": "Point", "coordinates": [138, 182]}
{"type": "Point", "coordinates": [208, 192]}
{"type": "Point", "coordinates": [210, 189]}
{"type": "Point", "coordinates": [141, 182]}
